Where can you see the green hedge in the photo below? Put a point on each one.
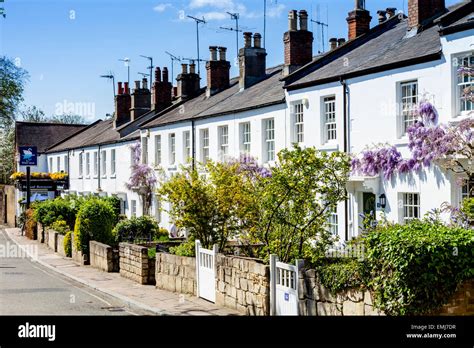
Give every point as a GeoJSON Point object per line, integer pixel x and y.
{"type": "Point", "coordinates": [415, 268]}
{"type": "Point", "coordinates": [49, 211]}
{"type": "Point", "coordinates": [342, 274]}
{"type": "Point", "coordinates": [141, 228]}
{"type": "Point", "coordinates": [95, 221]}
{"type": "Point", "coordinates": [67, 244]}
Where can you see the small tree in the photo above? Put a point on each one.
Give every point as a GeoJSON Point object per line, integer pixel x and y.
{"type": "Point", "coordinates": [143, 179]}
{"type": "Point", "coordinates": [213, 206]}
{"type": "Point", "coordinates": [305, 186]}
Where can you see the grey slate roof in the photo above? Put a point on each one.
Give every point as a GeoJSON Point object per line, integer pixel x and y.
{"type": "Point", "coordinates": [383, 47]}
{"type": "Point", "coordinates": [267, 92]}
{"type": "Point", "coordinates": [43, 135]}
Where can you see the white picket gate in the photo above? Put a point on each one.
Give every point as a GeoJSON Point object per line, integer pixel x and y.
{"type": "Point", "coordinates": [206, 272]}
{"type": "Point", "coordinates": [283, 287]}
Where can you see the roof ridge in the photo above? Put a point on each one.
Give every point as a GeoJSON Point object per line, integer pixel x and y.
{"type": "Point", "coordinates": [73, 135]}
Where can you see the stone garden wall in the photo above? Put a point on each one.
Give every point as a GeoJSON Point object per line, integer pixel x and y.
{"type": "Point", "coordinates": [315, 299]}
{"type": "Point", "coordinates": [243, 284]}
{"type": "Point", "coordinates": [60, 244]}
{"type": "Point", "coordinates": [176, 273]}
{"type": "Point", "coordinates": [103, 257]}
{"type": "Point", "coordinates": [51, 238]}
{"type": "Point", "coordinates": [77, 255]}
{"type": "Point", "coordinates": [462, 303]}
{"type": "Point", "coordinates": [135, 264]}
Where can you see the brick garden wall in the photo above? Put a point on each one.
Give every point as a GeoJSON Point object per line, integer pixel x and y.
{"type": "Point", "coordinates": [243, 284]}
{"type": "Point", "coordinates": [176, 273]}
{"type": "Point", "coordinates": [103, 257]}
{"type": "Point", "coordinates": [135, 265]}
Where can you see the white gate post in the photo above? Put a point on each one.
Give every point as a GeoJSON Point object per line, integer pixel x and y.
{"type": "Point", "coordinates": [197, 247]}
{"type": "Point", "coordinates": [273, 260]}
{"type": "Point", "coordinates": [299, 265]}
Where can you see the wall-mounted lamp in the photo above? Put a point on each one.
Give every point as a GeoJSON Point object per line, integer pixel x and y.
{"type": "Point", "coordinates": [147, 133]}
{"type": "Point", "coordinates": [305, 102]}
{"type": "Point", "coordinates": [383, 200]}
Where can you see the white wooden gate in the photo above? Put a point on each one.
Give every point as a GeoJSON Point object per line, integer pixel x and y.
{"type": "Point", "coordinates": [206, 272]}
{"type": "Point", "coordinates": [283, 287]}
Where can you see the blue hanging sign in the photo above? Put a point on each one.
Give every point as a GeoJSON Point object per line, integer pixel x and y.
{"type": "Point", "coordinates": [28, 155]}
{"type": "Point", "coordinates": [287, 297]}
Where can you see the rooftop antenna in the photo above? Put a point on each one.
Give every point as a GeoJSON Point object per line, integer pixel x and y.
{"type": "Point", "coordinates": [322, 25]}
{"type": "Point", "coordinates": [150, 67]}
{"type": "Point", "coordinates": [235, 17]}
{"type": "Point", "coordinates": [173, 59]}
{"type": "Point", "coordinates": [110, 76]}
{"type": "Point", "coordinates": [126, 62]}
{"type": "Point", "coordinates": [143, 74]}
{"type": "Point", "coordinates": [198, 21]}
{"type": "Point", "coordinates": [264, 22]}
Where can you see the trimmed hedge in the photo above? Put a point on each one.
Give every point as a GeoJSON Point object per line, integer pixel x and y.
{"type": "Point", "coordinates": [67, 244]}
{"type": "Point", "coordinates": [415, 268]}
{"type": "Point", "coordinates": [50, 211]}
{"type": "Point", "coordinates": [95, 221]}
{"type": "Point", "coordinates": [141, 228]}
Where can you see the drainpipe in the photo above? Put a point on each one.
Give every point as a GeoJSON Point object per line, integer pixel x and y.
{"type": "Point", "coordinates": [346, 150]}
{"type": "Point", "coordinates": [193, 135]}
{"type": "Point", "coordinates": [99, 161]}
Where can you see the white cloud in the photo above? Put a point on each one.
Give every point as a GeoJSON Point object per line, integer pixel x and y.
{"type": "Point", "coordinates": [223, 4]}
{"type": "Point", "coordinates": [213, 15]}
{"type": "Point", "coordinates": [161, 7]}
{"type": "Point", "coordinates": [276, 11]}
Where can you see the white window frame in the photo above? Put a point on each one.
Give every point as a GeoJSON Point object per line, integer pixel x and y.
{"type": "Point", "coordinates": [297, 120]}
{"type": "Point", "coordinates": [81, 164]}
{"type": "Point", "coordinates": [186, 146]}
{"type": "Point", "coordinates": [410, 206]}
{"type": "Point", "coordinates": [269, 139]}
{"type": "Point", "coordinates": [158, 216]}
{"type": "Point", "coordinates": [204, 141]}
{"type": "Point", "coordinates": [96, 164]}
{"type": "Point", "coordinates": [467, 189]}
{"type": "Point", "coordinates": [329, 119]}
{"type": "Point", "coordinates": [66, 165]}
{"type": "Point", "coordinates": [144, 150]}
{"type": "Point", "coordinates": [88, 164]}
{"type": "Point", "coordinates": [113, 164]}
{"type": "Point", "coordinates": [245, 137]}
{"type": "Point", "coordinates": [172, 148]}
{"type": "Point", "coordinates": [103, 163]}
{"type": "Point", "coordinates": [223, 132]}
{"type": "Point", "coordinates": [58, 164]}
{"type": "Point", "coordinates": [459, 85]}
{"type": "Point", "coordinates": [407, 113]}
{"type": "Point", "coordinates": [158, 152]}
{"type": "Point", "coordinates": [51, 165]}
{"type": "Point", "coordinates": [133, 208]}
{"type": "Point", "coordinates": [333, 222]}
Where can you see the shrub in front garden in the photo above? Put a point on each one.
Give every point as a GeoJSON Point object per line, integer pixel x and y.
{"type": "Point", "coordinates": [187, 248]}
{"type": "Point", "coordinates": [95, 221]}
{"type": "Point", "coordinates": [67, 244]}
{"type": "Point", "coordinates": [60, 226]}
{"type": "Point", "coordinates": [30, 224]}
{"type": "Point", "coordinates": [141, 228]}
{"type": "Point", "coordinates": [415, 268]}
{"type": "Point", "coordinates": [49, 211]}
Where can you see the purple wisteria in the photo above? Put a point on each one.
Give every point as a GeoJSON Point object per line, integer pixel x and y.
{"type": "Point", "coordinates": [142, 179]}
{"type": "Point", "coordinates": [427, 143]}
{"type": "Point", "coordinates": [468, 92]}
{"type": "Point", "coordinates": [250, 166]}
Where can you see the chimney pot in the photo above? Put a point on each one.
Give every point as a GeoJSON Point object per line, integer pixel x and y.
{"type": "Point", "coordinates": [137, 84]}
{"type": "Point", "coordinates": [213, 50]}
{"type": "Point", "coordinates": [126, 90]}
{"type": "Point", "coordinates": [144, 83]}
{"type": "Point", "coordinates": [222, 53]}
{"type": "Point", "coordinates": [120, 88]}
{"type": "Point", "coordinates": [157, 74]}
{"type": "Point", "coordinates": [257, 40]}
{"type": "Point", "coordinates": [247, 39]}
{"type": "Point", "coordinates": [333, 43]}
{"type": "Point", "coordinates": [292, 24]}
{"type": "Point", "coordinates": [382, 16]}
{"type": "Point", "coordinates": [391, 11]}
{"type": "Point", "coordinates": [303, 20]}
{"type": "Point", "coordinates": [358, 20]}
{"type": "Point", "coordinates": [192, 68]}
{"type": "Point", "coordinates": [165, 74]}
{"type": "Point", "coordinates": [184, 68]}
{"type": "Point", "coordinates": [341, 42]}
{"type": "Point", "coordinates": [360, 4]}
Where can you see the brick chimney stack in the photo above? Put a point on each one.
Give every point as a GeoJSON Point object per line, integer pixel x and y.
{"type": "Point", "coordinates": [188, 83]}
{"type": "Point", "coordinates": [358, 20]}
{"type": "Point", "coordinates": [298, 43]}
{"type": "Point", "coordinates": [218, 71]}
{"type": "Point", "coordinates": [421, 12]}
{"type": "Point", "coordinates": [252, 61]}
{"type": "Point", "coordinates": [122, 106]}
{"type": "Point", "coordinates": [141, 100]}
{"type": "Point", "coordinates": [162, 89]}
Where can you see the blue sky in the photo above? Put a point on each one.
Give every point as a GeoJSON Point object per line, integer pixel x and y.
{"type": "Point", "coordinates": [65, 45]}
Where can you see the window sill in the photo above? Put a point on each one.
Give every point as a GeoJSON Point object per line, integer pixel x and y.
{"type": "Point", "coordinates": [104, 176]}
{"type": "Point", "coordinates": [88, 177]}
{"type": "Point", "coordinates": [402, 141]}
{"type": "Point", "coordinates": [113, 176]}
{"type": "Point", "coordinates": [172, 168]}
{"type": "Point", "coordinates": [329, 146]}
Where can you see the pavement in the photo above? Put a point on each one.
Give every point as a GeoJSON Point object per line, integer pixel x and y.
{"type": "Point", "coordinates": [139, 299]}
